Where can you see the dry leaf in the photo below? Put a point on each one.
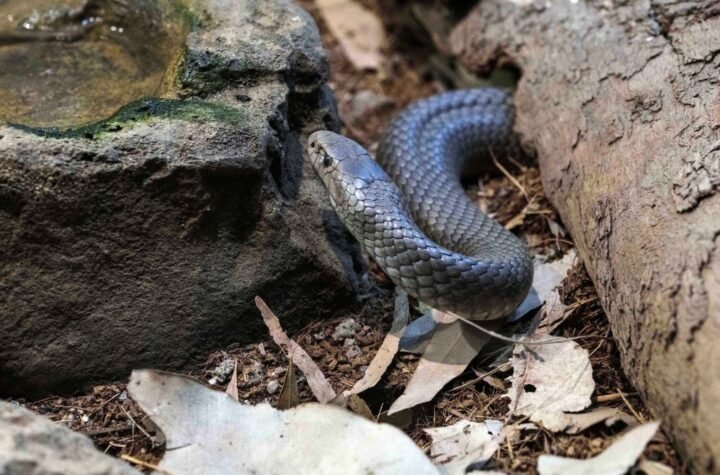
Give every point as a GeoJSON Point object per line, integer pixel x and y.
{"type": "Point", "coordinates": [615, 460]}
{"type": "Point", "coordinates": [549, 380]}
{"type": "Point", "coordinates": [580, 422]}
{"type": "Point", "coordinates": [547, 276]}
{"type": "Point", "coordinates": [289, 395]}
{"type": "Point", "coordinates": [209, 433]}
{"type": "Point", "coordinates": [358, 405]}
{"type": "Point", "coordinates": [319, 386]}
{"type": "Point", "coordinates": [358, 30]}
{"type": "Point", "coordinates": [650, 467]}
{"type": "Point", "coordinates": [546, 281]}
{"type": "Point", "coordinates": [452, 347]}
{"type": "Point", "coordinates": [464, 443]}
{"type": "Point", "coordinates": [232, 388]}
{"type": "Point", "coordinates": [389, 347]}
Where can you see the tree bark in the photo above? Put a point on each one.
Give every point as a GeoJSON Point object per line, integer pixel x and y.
{"type": "Point", "coordinates": [620, 102]}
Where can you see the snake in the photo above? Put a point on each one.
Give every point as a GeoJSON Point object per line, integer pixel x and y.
{"type": "Point", "coordinates": [410, 212]}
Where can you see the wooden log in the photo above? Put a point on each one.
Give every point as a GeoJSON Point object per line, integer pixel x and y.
{"type": "Point", "coordinates": [620, 102]}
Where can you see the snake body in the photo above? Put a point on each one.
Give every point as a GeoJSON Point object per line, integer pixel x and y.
{"type": "Point", "coordinates": [420, 226]}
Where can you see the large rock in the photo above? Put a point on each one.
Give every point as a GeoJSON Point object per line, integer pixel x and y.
{"type": "Point", "coordinates": [33, 445]}
{"type": "Point", "coordinates": [142, 240]}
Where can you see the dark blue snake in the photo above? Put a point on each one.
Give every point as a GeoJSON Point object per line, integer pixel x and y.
{"type": "Point", "coordinates": [420, 226]}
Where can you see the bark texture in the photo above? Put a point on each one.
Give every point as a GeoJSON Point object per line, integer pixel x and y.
{"type": "Point", "coordinates": [620, 102]}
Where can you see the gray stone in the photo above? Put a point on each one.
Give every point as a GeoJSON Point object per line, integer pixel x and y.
{"type": "Point", "coordinates": [33, 445]}
{"type": "Point", "coordinates": [142, 241]}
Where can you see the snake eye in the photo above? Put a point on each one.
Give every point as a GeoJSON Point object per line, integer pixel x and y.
{"type": "Point", "coordinates": [327, 161]}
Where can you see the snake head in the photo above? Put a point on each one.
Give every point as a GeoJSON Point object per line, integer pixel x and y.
{"type": "Point", "coordinates": [343, 165]}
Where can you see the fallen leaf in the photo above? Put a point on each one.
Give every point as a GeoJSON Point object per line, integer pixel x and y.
{"type": "Point", "coordinates": [289, 395]}
{"type": "Point", "coordinates": [615, 460]}
{"type": "Point", "coordinates": [463, 444]}
{"type": "Point", "coordinates": [232, 388]}
{"type": "Point", "coordinates": [321, 389]}
{"type": "Point", "coordinates": [210, 433]}
{"type": "Point", "coordinates": [358, 30]}
{"type": "Point", "coordinates": [547, 278]}
{"type": "Point", "coordinates": [358, 405]}
{"type": "Point", "coordinates": [650, 467]}
{"type": "Point", "coordinates": [389, 347]}
{"type": "Point", "coordinates": [452, 347]}
{"type": "Point", "coordinates": [549, 380]}
{"type": "Point", "coordinates": [579, 422]}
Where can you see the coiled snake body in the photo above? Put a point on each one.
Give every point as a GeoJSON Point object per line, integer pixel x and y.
{"type": "Point", "coordinates": [420, 226]}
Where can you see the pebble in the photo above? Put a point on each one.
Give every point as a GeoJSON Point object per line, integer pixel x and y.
{"type": "Point", "coordinates": [346, 329]}
{"type": "Point", "coordinates": [222, 372]}
{"type": "Point", "coordinates": [350, 349]}
{"type": "Point", "coordinates": [366, 102]}
{"type": "Point", "coordinates": [273, 387]}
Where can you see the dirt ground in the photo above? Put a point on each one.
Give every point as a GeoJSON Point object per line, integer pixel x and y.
{"type": "Point", "coordinates": [367, 101]}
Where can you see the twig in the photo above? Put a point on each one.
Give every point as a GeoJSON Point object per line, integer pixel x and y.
{"type": "Point", "coordinates": [104, 403]}
{"type": "Point", "coordinates": [108, 431]}
{"type": "Point", "coordinates": [136, 461]}
{"type": "Point", "coordinates": [476, 380]}
{"type": "Point", "coordinates": [522, 340]}
{"type": "Point", "coordinates": [512, 179]}
{"type": "Point", "coordinates": [142, 429]}
{"type": "Point", "coordinates": [612, 397]}
{"type": "Point", "coordinates": [640, 418]}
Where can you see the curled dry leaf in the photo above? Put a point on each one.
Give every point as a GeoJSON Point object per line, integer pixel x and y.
{"type": "Point", "coordinates": [615, 460]}
{"type": "Point", "coordinates": [320, 387]}
{"type": "Point", "coordinates": [580, 422]}
{"type": "Point", "coordinates": [547, 276]}
{"type": "Point", "coordinates": [358, 30]}
{"type": "Point", "coordinates": [210, 433]}
{"type": "Point", "coordinates": [464, 443]}
{"type": "Point", "coordinates": [547, 279]}
{"type": "Point", "coordinates": [549, 380]}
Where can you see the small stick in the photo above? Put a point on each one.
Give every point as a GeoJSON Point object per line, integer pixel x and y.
{"type": "Point", "coordinates": [476, 380]}
{"type": "Point", "coordinates": [136, 461]}
{"type": "Point", "coordinates": [640, 418]}
{"type": "Point", "coordinates": [142, 429]}
{"type": "Point", "coordinates": [612, 397]}
{"type": "Point", "coordinates": [512, 179]}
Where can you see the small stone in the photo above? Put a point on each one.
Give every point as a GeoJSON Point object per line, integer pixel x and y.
{"type": "Point", "coordinates": [366, 102]}
{"type": "Point", "coordinates": [222, 372]}
{"type": "Point", "coordinates": [273, 387]}
{"type": "Point", "coordinates": [350, 349]}
{"type": "Point", "coordinates": [85, 419]}
{"type": "Point", "coordinates": [346, 329]}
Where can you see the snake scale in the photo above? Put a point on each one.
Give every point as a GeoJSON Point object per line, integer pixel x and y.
{"type": "Point", "coordinates": [420, 226]}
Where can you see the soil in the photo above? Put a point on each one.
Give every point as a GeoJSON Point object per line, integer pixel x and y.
{"type": "Point", "coordinates": [513, 196]}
